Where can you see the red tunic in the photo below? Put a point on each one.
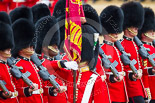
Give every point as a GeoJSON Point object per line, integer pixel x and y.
{"type": "Point", "coordinates": [134, 88]}
{"type": "Point", "coordinates": [117, 87]}
{"type": "Point", "coordinates": [31, 3]}
{"type": "Point", "coordinates": [61, 97]}
{"type": "Point", "coordinates": [148, 78]}
{"type": "Point", "coordinates": [52, 5]}
{"type": "Point", "coordinates": [14, 4]}
{"type": "Point", "coordinates": [100, 70]}
{"type": "Point", "coordinates": [17, 3]}
{"type": "Point", "coordinates": [4, 5]}
{"type": "Point", "coordinates": [7, 77]}
{"type": "Point", "coordinates": [34, 77]}
{"type": "Point", "coordinates": [97, 93]}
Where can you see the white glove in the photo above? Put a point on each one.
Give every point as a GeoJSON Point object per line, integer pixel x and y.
{"type": "Point", "coordinates": [71, 65]}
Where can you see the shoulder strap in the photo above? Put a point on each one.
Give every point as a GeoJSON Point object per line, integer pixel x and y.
{"type": "Point", "coordinates": [89, 88]}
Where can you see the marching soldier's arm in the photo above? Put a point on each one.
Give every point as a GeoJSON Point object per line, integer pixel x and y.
{"type": "Point", "coordinates": [4, 96]}
{"type": "Point", "coordinates": [146, 69]}
{"type": "Point", "coordinates": [62, 68]}
{"type": "Point", "coordinates": [1, 95]}
{"type": "Point", "coordinates": [22, 91]}
{"type": "Point", "coordinates": [48, 90]}
{"type": "Point", "coordinates": [100, 70]}
{"type": "Point", "coordinates": [129, 74]}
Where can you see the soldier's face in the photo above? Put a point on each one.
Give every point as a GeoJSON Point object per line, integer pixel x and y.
{"type": "Point", "coordinates": [114, 37]}
{"type": "Point", "coordinates": [6, 53]}
{"type": "Point", "coordinates": [149, 35]}
{"type": "Point", "coordinates": [133, 31]}
{"type": "Point", "coordinates": [27, 51]}
{"type": "Point", "coordinates": [53, 50]}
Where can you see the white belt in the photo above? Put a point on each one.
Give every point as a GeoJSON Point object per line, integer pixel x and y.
{"type": "Point", "coordinates": [130, 71]}
{"type": "Point", "coordinates": [120, 73]}
{"type": "Point", "coordinates": [14, 94]}
{"type": "Point", "coordinates": [148, 67]}
{"type": "Point", "coordinates": [38, 91]}
{"type": "Point", "coordinates": [19, 1]}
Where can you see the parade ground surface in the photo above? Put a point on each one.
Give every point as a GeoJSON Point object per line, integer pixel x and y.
{"type": "Point", "coordinates": [101, 4]}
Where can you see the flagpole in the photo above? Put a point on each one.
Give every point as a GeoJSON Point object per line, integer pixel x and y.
{"type": "Point", "coordinates": [73, 35]}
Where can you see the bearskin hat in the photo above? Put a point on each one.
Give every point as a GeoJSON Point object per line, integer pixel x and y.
{"type": "Point", "coordinates": [24, 35]}
{"type": "Point", "coordinates": [61, 21]}
{"type": "Point", "coordinates": [60, 8]}
{"type": "Point", "coordinates": [21, 12]}
{"type": "Point", "coordinates": [39, 11]}
{"type": "Point", "coordinates": [148, 20]}
{"type": "Point", "coordinates": [92, 17]}
{"type": "Point", "coordinates": [112, 18]}
{"type": "Point", "coordinates": [133, 15]}
{"type": "Point", "coordinates": [4, 17]}
{"type": "Point", "coordinates": [88, 54]}
{"type": "Point", "coordinates": [6, 36]}
{"type": "Point", "coordinates": [47, 31]}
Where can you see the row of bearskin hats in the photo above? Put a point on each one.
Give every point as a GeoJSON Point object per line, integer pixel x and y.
{"type": "Point", "coordinates": [28, 23]}
{"type": "Point", "coordinates": [6, 34]}
{"type": "Point", "coordinates": [35, 25]}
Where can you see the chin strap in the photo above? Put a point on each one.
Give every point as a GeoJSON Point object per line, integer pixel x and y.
{"type": "Point", "coordinates": [147, 35]}
{"type": "Point", "coordinates": [112, 36]}
{"type": "Point", "coordinates": [131, 31]}
{"type": "Point", "coordinates": [28, 52]}
{"type": "Point", "coordinates": [53, 49]}
{"type": "Point", "coordinates": [5, 54]}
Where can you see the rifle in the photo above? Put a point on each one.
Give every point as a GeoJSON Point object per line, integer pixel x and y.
{"type": "Point", "coordinates": [107, 64]}
{"type": "Point", "coordinates": [144, 51]}
{"type": "Point", "coordinates": [2, 85]}
{"type": "Point", "coordinates": [15, 71]}
{"type": "Point", "coordinates": [125, 57]}
{"type": "Point", "coordinates": [44, 74]}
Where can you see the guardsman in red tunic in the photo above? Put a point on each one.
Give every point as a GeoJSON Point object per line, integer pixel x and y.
{"type": "Point", "coordinates": [133, 20]}
{"type": "Point", "coordinates": [4, 5]}
{"type": "Point", "coordinates": [112, 21]}
{"type": "Point", "coordinates": [6, 43]}
{"type": "Point", "coordinates": [146, 34]}
{"type": "Point", "coordinates": [39, 11]}
{"type": "Point", "coordinates": [24, 31]}
{"type": "Point", "coordinates": [87, 90]}
{"type": "Point", "coordinates": [47, 46]}
{"type": "Point", "coordinates": [92, 19]}
{"type": "Point", "coordinates": [100, 70]}
{"type": "Point", "coordinates": [23, 35]}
